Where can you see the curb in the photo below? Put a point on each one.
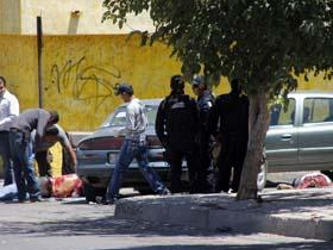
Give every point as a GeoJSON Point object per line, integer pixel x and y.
{"type": "Point", "coordinates": [222, 213]}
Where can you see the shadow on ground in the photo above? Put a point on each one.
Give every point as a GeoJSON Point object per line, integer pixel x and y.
{"type": "Point", "coordinates": [290, 246]}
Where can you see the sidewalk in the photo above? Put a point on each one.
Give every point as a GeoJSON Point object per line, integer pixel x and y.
{"type": "Point", "coordinates": [297, 213]}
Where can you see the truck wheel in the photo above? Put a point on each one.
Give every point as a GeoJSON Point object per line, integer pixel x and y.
{"type": "Point", "coordinates": [262, 175]}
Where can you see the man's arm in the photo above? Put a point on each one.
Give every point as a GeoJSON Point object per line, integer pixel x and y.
{"type": "Point", "coordinates": [14, 110]}
{"type": "Point", "coordinates": [72, 154]}
{"type": "Point", "coordinates": [214, 116]}
{"type": "Point", "coordinates": [130, 120]}
{"type": "Point", "coordinates": [160, 123]}
{"type": "Point", "coordinates": [43, 120]}
{"type": "Point", "coordinates": [66, 144]}
{"type": "Point", "coordinates": [196, 113]}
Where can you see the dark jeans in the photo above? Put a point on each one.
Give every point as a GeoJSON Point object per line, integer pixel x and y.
{"type": "Point", "coordinates": [23, 166]}
{"type": "Point", "coordinates": [232, 155]}
{"type": "Point", "coordinates": [205, 163]}
{"type": "Point", "coordinates": [6, 157]}
{"type": "Point", "coordinates": [44, 166]}
{"type": "Point", "coordinates": [129, 151]}
{"type": "Point", "coordinates": [177, 154]}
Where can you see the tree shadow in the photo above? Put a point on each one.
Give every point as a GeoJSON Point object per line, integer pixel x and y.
{"type": "Point", "coordinates": [110, 227]}
{"type": "Point", "coordinates": [99, 227]}
{"type": "Point", "coordinates": [298, 201]}
{"type": "Point", "coordinates": [283, 246]}
{"type": "Point", "coordinates": [274, 202]}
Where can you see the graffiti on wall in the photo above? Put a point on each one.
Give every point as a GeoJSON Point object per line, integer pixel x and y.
{"type": "Point", "coordinates": [84, 82]}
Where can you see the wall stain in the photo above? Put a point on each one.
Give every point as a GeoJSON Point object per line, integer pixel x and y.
{"type": "Point", "coordinates": [77, 78]}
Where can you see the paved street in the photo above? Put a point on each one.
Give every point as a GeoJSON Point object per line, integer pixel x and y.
{"type": "Point", "coordinates": [72, 224]}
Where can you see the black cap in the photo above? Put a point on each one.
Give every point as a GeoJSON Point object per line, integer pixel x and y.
{"type": "Point", "coordinates": [197, 80]}
{"type": "Point", "coordinates": [123, 88]}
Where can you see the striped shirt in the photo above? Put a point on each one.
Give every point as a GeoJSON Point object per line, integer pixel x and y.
{"type": "Point", "coordinates": [136, 121]}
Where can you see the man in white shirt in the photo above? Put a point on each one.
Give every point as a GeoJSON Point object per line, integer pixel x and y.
{"type": "Point", "coordinates": [9, 108]}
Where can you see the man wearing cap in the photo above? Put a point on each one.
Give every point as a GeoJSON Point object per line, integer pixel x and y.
{"type": "Point", "coordinates": [205, 103]}
{"type": "Point", "coordinates": [9, 108]}
{"type": "Point", "coordinates": [177, 127]}
{"type": "Point", "coordinates": [134, 146]}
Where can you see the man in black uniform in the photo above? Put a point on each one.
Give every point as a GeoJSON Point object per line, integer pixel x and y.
{"type": "Point", "coordinates": [230, 127]}
{"type": "Point", "coordinates": [176, 127]}
{"type": "Point", "coordinates": [205, 103]}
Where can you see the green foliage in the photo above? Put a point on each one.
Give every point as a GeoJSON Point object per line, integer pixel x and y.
{"type": "Point", "coordinates": [265, 42]}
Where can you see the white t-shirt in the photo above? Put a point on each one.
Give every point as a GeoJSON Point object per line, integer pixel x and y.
{"type": "Point", "coordinates": [9, 108]}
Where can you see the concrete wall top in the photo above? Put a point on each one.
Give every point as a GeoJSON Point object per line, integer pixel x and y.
{"type": "Point", "coordinates": [63, 17]}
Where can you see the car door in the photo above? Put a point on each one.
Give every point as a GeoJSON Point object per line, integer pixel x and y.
{"type": "Point", "coordinates": [316, 133]}
{"type": "Point", "coordinates": [282, 137]}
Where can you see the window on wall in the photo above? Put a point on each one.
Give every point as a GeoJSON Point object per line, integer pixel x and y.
{"type": "Point", "coordinates": [281, 116]}
{"type": "Point", "coordinates": [318, 110]}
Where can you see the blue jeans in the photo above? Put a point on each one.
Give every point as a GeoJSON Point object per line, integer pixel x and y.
{"type": "Point", "coordinates": [129, 151]}
{"type": "Point", "coordinates": [6, 157]}
{"type": "Point", "coordinates": [23, 159]}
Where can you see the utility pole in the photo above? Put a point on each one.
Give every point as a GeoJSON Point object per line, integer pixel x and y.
{"type": "Point", "coordinates": [40, 57]}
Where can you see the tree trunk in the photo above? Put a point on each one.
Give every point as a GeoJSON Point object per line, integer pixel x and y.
{"type": "Point", "coordinates": [258, 126]}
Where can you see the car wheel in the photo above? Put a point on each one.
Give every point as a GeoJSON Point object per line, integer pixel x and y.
{"type": "Point", "coordinates": [145, 190]}
{"type": "Point", "coordinates": [89, 192]}
{"type": "Point", "coordinates": [329, 173]}
{"type": "Point", "coordinates": [262, 175]}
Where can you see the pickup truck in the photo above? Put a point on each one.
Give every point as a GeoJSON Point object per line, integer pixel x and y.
{"type": "Point", "coordinates": [300, 138]}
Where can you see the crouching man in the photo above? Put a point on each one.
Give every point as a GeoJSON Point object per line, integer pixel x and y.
{"type": "Point", "coordinates": [41, 146]}
{"type": "Point", "coordinates": [22, 149]}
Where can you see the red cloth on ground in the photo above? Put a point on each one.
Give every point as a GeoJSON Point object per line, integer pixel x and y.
{"type": "Point", "coordinates": [312, 180]}
{"type": "Point", "coordinates": [66, 186]}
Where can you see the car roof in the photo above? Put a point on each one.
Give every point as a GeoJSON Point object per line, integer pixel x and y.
{"type": "Point", "coordinates": [310, 93]}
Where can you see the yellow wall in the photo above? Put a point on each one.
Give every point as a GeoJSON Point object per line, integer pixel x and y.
{"type": "Point", "coordinates": [315, 83]}
{"type": "Point", "coordinates": [80, 71]}
{"type": "Point", "coordinates": [10, 18]}
{"type": "Point", "coordinates": [18, 64]}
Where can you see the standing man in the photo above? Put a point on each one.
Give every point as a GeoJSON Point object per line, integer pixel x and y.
{"type": "Point", "coordinates": [21, 145]}
{"type": "Point", "coordinates": [9, 108]}
{"type": "Point", "coordinates": [176, 127]}
{"type": "Point", "coordinates": [230, 126]}
{"type": "Point", "coordinates": [52, 135]}
{"type": "Point", "coordinates": [134, 146]}
{"type": "Point", "coordinates": [205, 104]}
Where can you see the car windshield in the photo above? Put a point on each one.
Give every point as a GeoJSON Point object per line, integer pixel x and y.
{"type": "Point", "coordinates": [118, 119]}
